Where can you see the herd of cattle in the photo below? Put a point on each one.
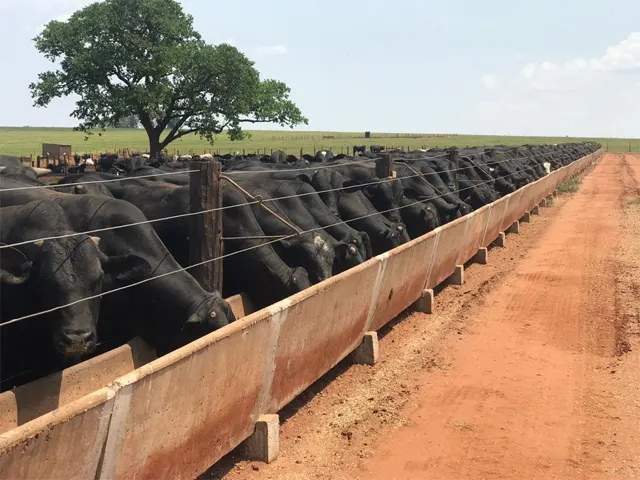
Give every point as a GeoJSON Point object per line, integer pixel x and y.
{"type": "Point", "coordinates": [288, 223]}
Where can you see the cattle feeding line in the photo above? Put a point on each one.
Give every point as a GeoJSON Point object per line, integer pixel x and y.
{"type": "Point", "coordinates": [260, 201]}
{"type": "Point", "coordinates": [141, 282]}
{"type": "Point", "coordinates": [321, 166]}
{"type": "Point", "coordinates": [283, 237]}
{"type": "Point", "coordinates": [119, 179]}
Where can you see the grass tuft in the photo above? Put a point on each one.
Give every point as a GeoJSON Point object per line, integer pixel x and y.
{"type": "Point", "coordinates": [569, 186]}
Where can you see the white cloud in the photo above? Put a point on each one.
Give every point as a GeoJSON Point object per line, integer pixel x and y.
{"type": "Point", "coordinates": [490, 81]}
{"type": "Point", "coordinates": [528, 71]}
{"type": "Point", "coordinates": [590, 96]}
{"type": "Point", "coordinates": [271, 50]}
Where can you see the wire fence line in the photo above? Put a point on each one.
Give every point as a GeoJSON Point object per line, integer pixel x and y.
{"type": "Point", "coordinates": [257, 201]}
{"type": "Point", "coordinates": [260, 245]}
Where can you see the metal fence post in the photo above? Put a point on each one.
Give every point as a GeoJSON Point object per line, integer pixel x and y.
{"type": "Point", "coordinates": [205, 230]}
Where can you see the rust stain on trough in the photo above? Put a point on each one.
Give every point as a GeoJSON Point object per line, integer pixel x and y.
{"type": "Point", "coordinates": [494, 223]}
{"type": "Point", "coordinates": [402, 278]}
{"type": "Point", "coordinates": [178, 415]}
{"type": "Point", "coordinates": [320, 329]}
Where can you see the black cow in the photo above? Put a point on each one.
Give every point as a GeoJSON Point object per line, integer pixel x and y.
{"type": "Point", "coordinates": [359, 149]}
{"type": "Point", "coordinates": [376, 148]}
{"type": "Point", "coordinates": [158, 199]}
{"type": "Point", "coordinates": [42, 275]}
{"type": "Point", "coordinates": [168, 311]}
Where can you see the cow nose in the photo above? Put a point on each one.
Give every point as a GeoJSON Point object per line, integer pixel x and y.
{"type": "Point", "coordinates": [76, 342]}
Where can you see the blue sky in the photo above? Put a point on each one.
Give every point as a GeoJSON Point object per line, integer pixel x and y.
{"type": "Point", "coordinates": [543, 67]}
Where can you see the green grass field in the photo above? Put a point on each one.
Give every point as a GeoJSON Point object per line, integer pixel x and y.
{"type": "Point", "coordinates": [28, 141]}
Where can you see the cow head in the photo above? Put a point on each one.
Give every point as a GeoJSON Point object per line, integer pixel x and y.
{"type": "Point", "coordinates": [313, 252]}
{"type": "Point", "coordinates": [64, 271]}
{"type": "Point", "coordinates": [298, 281]}
{"type": "Point", "coordinates": [347, 256]}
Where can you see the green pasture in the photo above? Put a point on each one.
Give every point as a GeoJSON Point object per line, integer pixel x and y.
{"type": "Point", "coordinates": [28, 141]}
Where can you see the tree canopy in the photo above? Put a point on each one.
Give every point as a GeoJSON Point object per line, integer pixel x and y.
{"type": "Point", "coordinates": [130, 121]}
{"type": "Point", "coordinates": [144, 58]}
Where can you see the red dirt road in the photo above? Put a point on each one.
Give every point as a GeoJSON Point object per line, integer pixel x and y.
{"type": "Point", "coordinates": [533, 370]}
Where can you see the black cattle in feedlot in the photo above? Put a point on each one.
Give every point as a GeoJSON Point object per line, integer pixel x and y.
{"type": "Point", "coordinates": [359, 149]}
{"type": "Point", "coordinates": [167, 311]}
{"type": "Point", "coordinates": [158, 199]}
{"type": "Point", "coordinates": [287, 223]}
{"type": "Point", "coordinates": [42, 275]}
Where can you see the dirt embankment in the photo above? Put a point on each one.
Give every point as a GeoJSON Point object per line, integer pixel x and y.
{"type": "Point", "coordinates": [529, 370]}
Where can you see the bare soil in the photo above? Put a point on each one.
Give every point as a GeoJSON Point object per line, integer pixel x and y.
{"type": "Point", "coordinates": [529, 370]}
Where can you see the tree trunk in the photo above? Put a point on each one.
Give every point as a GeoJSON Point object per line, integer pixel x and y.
{"type": "Point", "coordinates": [155, 147]}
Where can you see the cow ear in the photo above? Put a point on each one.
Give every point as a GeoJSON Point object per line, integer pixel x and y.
{"type": "Point", "coordinates": [14, 267]}
{"type": "Point", "coordinates": [304, 177]}
{"type": "Point", "coordinates": [126, 269]}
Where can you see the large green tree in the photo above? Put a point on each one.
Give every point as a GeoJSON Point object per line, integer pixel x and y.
{"type": "Point", "coordinates": [144, 58]}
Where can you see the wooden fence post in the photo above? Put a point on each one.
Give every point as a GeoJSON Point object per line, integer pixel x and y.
{"type": "Point", "coordinates": [454, 158]}
{"type": "Point", "coordinates": [384, 166]}
{"type": "Point", "coordinates": [301, 148]}
{"type": "Point", "coordinates": [205, 230]}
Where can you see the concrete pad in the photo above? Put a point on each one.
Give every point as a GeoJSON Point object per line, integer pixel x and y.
{"type": "Point", "coordinates": [514, 228]}
{"type": "Point", "coordinates": [367, 352]}
{"type": "Point", "coordinates": [526, 218]}
{"type": "Point", "coordinates": [458, 276]}
{"type": "Point", "coordinates": [501, 241]}
{"type": "Point", "coordinates": [264, 444]}
{"type": "Point", "coordinates": [482, 257]}
{"type": "Point", "coordinates": [535, 210]}
{"type": "Point", "coordinates": [543, 203]}
{"type": "Point", "coordinates": [425, 304]}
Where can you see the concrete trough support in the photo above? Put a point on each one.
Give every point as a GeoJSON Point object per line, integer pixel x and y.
{"type": "Point", "coordinates": [526, 218]}
{"type": "Point", "coordinates": [482, 257]}
{"type": "Point", "coordinates": [425, 303]}
{"type": "Point", "coordinates": [543, 203]}
{"type": "Point", "coordinates": [264, 444]}
{"type": "Point", "coordinates": [458, 276]}
{"type": "Point", "coordinates": [367, 352]}
{"type": "Point", "coordinates": [554, 194]}
{"type": "Point", "coordinates": [515, 228]}
{"type": "Point", "coordinates": [501, 240]}
{"type": "Point", "coordinates": [535, 210]}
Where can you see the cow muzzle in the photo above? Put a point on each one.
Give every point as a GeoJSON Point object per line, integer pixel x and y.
{"type": "Point", "coordinates": [75, 343]}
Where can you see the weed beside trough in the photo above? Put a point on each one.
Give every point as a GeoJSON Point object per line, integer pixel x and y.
{"type": "Point", "coordinates": [571, 185]}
